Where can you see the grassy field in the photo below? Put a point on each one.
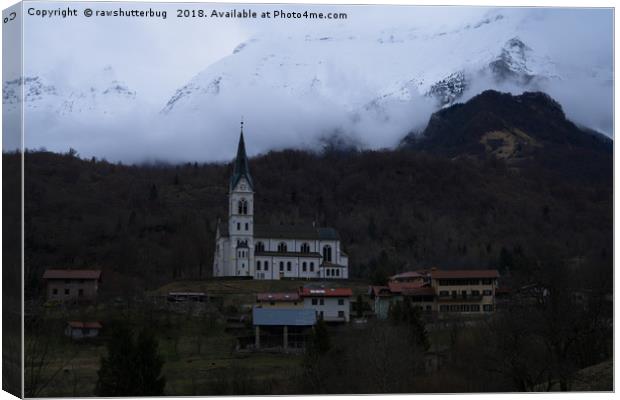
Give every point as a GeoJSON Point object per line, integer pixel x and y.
{"type": "Point", "coordinates": [199, 358]}
{"type": "Point", "coordinates": [199, 354]}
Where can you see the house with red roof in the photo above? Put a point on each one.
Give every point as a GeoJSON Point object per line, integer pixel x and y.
{"type": "Point", "coordinates": [443, 292]}
{"type": "Point", "coordinates": [82, 330]}
{"type": "Point", "coordinates": [329, 304]}
{"type": "Point", "coordinates": [72, 284]}
{"type": "Point", "coordinates": [417, 291]}
{"type": "Point", "coordinates": [410, 276]}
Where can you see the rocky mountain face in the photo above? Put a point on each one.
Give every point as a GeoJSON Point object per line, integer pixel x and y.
{"type": "Point", "coordinates": [439, 65]}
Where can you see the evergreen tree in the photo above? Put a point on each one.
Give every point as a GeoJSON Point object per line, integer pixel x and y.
{"type": "Point", "coordinates": [316, 348]}
{"type": "Point", "coordinates": [395, 312]}
{"type": "Point", "coordinates": [148, 365]}
{"type": "Point", "coordinates": [359, 306]}
{"type": "Point", "coordinates": [505, 259]}
{"type": "Point", "coordinates": [418, 327]}
{"type": "Point", "coordinates": [131, 367]}
{"type": "Point", "coordinates": [372, 228]}
{"type": "Point", "coordinates": [153, 193]}
{"type": "Point", "coordinates": [319, 340]}
{"type": "Point", "coordinates": [115, 372]}
{"type": "Point", "coordinates": [404, 313]}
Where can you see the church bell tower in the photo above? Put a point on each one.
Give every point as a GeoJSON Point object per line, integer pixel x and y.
{"type": "Point", "coordinates": [241, 214]}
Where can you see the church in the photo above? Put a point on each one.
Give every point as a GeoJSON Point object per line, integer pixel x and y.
{"type": "Point", "coordinates": [243, 248]}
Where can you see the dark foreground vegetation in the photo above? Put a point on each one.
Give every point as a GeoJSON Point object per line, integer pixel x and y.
{"type": "Point", "coordinates": [145, 350]}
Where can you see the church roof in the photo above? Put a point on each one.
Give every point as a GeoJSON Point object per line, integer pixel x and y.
{"type": "Point", "coordinates": [327, 264]}
{"type": "Point", "coordinates": [286, 254]}
{"type": "Point", "coordinates": [241, 167]}
{"type": "Point", "coordinates": [301, 232]}
{"type": "Point", "coordinates": [307, 232]}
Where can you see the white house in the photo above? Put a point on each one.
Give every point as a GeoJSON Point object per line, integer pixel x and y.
{"type": "Point", "coordinates": [82, 330]}
{"type": "Point", "coordinates": [329, 304]}
{"type": "Point", "coordinates": [243, 248]}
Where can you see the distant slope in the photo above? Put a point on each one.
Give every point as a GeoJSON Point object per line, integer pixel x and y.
{"type": "Point", "coordinates": [524, 131]}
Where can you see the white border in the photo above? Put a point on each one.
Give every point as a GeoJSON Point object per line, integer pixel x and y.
{"type": "Point", "coordinates": [522, 3]}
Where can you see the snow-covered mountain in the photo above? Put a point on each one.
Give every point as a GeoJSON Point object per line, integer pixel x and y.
{"type": "Point", "coordinates": [339, 84]}
{"type": "Point", "coordinates": [388, 80]}
{"type": "Point", "coordinates": [102, 94]}
{"type": "Point", "coordinates": [363, 70]}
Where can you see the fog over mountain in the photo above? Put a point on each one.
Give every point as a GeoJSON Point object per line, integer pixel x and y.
{"type": "Point", "coordinates": [361, 82]}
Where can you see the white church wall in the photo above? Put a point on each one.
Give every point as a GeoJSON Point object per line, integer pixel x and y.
{"type": "Point", "coordinates": [228, 261]}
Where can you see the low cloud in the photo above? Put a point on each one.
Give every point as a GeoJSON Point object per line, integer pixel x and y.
{"type": "Point", "coordinates": [367, 99]}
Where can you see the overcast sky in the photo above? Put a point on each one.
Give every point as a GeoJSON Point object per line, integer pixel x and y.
{"type": "Point", "coordinates": [155, 57]}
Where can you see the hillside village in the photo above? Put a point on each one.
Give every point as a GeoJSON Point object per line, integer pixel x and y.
{"type": "Point", "coordinates": [277, 290]}
{"type": "Point", "coordinates": [292, 253]}
{"type": "Point", "coordinates": [223, 327]}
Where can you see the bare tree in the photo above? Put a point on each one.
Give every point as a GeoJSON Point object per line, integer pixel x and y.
{"type": "Point", "coordinates": [43, 360]}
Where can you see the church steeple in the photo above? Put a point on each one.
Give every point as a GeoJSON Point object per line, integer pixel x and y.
{"type": "Point", "coordinates": [241, 168]}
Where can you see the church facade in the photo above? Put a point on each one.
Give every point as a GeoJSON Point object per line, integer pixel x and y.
{"type": "Point", "coordinates": [243, 248]}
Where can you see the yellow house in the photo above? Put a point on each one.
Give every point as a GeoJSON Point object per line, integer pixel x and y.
{"type": "Point", "coordinates": [441, 292]}
{"type": "Point", "coordinates": [465, 291]}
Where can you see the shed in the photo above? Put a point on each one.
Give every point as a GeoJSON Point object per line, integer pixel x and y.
{"type": "Point", "coordinates": [276, 321]}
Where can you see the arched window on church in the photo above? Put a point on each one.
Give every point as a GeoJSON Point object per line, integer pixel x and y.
{"type": "Point", "coordinates": [304, 266]}
{"type": "Point", "coordinates": [327, 253]}
{"type": "Point", "coordinates": [258, 265]}
{"type": "Point", "coordinates": [282, 247]}
{"type": "Point", "coordinates": [259, 247]}
{"type": "Point", "coordinates": [305, 248]}
{"type": "Point", "coordinates": [242, 207]}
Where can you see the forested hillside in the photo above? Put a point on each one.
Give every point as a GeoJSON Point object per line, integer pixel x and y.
{"type": "Point", "coordinates": [394, 210]}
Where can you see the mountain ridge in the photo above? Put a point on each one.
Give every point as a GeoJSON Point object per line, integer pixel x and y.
{"type": "Point", "coordinates": [529, 130]}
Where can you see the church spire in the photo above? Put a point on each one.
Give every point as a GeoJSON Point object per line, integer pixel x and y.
{"type": "Point", "coordinates": [241, 168]}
